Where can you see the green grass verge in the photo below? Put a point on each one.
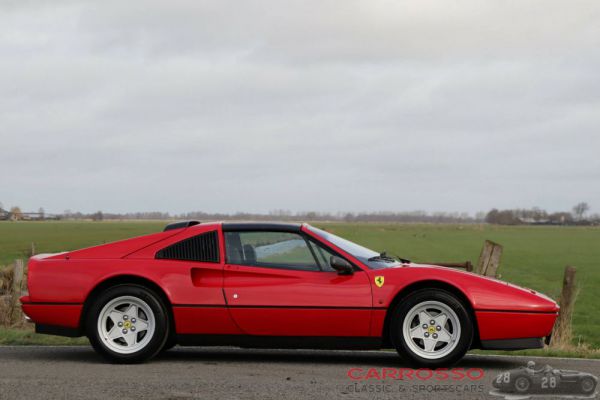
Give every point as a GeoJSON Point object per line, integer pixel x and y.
{"type": "Point", "coordinates": [547, 352]}
{"type": "Point", "coordinates": [56, 236]}
{"type": "Point", "coordinates": [26, 336]}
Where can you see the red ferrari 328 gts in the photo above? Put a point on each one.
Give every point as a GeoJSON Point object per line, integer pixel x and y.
{"type": "Point", "coordinates": [277, 286]}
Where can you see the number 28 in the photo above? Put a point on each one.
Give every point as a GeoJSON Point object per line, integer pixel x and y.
{"type": "Point", "coordinates": [548, 382]}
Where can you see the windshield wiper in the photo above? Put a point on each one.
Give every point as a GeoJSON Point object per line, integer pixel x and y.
{"type": "Point", "coordinates": [382, 257]}
{"type": "Point", "coordinates": [385, 258]}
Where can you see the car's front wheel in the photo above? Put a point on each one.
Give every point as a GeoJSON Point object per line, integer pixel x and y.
{"type": "Point", "coordinates": [127, 324]}
{"type": "Point", "coordinates": [431, 328]}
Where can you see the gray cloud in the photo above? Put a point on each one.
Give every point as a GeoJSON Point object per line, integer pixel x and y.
{"type": "Point", "coordinates": [329, 105]}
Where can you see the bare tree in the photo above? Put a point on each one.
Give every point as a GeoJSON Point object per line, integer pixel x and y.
{"type": "Point", "coordinates": [580, 209]}
{"type": "Point", "coordinates": [98, 216]}
{"type": "Point", "coordinates": [42, 213]}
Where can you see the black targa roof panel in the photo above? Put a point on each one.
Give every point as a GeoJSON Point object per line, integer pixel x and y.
{"type": "Point", "coordinates": [261, 226]}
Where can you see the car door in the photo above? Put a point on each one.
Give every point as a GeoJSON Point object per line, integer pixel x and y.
{"type": "Point", "coordinates": [277, 283]}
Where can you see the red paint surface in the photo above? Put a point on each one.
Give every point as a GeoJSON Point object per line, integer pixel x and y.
{"type": "Point", "coordinates": [510, 325]}
{"type": "Point", "coordinates": [56, 314]}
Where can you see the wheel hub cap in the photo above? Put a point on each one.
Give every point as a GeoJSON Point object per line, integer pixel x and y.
{"type": "Point", "coordinates": [126, 324]}
{"type": "Point", "coordinates": [431, 329]}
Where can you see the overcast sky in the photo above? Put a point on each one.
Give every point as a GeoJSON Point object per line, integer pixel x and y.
{"type": "Point", "coordinates": [301, 105]}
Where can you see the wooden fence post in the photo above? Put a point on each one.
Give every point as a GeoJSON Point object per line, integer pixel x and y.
{"type": "Point", "coordinates": [17, 285]}
{"type": "Point", "coordinates": [489, 260]}
{"type": "Point", "coordinates": [469, 266]}
{"type": "Point", "coordinates": [562, 333]}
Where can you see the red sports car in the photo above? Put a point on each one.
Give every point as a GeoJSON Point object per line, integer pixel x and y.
{"type": "Point", "coordinates": [277, 286]}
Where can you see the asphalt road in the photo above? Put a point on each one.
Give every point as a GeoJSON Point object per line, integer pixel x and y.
{"type": "Point", "coordinates": [230, 373]}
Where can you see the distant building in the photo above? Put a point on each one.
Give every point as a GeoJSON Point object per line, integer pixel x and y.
{"type": "Point", "coordinates": [26, 216]}
{"type": "Point", "coordinates": [534, 221]}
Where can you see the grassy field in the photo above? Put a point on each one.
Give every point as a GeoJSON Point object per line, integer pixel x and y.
{"type": "Point", "coordinates": [533, 256]}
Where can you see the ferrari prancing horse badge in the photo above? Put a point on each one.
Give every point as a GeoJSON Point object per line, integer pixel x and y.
{"type": "Point", "coordinates": [379, 280]}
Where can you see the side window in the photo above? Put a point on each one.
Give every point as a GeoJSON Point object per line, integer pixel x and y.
{"type": "Point", "coordinates": [270, 249]}
{"type": "Point", "coordinates": [202, 248]}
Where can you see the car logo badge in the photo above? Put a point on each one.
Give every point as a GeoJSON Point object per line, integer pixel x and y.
{"type": "Point", "coordinates": [379, 280]}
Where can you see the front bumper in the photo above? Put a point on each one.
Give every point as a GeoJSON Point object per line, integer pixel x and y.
{"type": "Point", "coordinates": [504, 325]}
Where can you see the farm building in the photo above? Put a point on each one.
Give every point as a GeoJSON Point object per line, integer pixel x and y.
{"type": "Point", "coordinates": [26, 216]}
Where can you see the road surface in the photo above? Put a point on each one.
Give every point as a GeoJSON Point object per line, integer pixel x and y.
{"type": "Point", "coordinates": [230, 373]}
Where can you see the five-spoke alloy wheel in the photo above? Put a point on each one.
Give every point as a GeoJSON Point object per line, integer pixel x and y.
{"type": "Point", "coordinates": [127, 324]}
{"type": "Point", "coordinates": [431, 327]}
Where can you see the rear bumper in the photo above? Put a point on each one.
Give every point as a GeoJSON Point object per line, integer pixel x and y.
{"type": "Point", "coordinates": [64, 315]}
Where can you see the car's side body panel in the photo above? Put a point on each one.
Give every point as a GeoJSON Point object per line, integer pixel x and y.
{"type": "Point", "coordinates": [283, 302]}
{"type": "Point", "coordinates": [481, 292]}
{"type": "Point", "coordinates": [204, 320]}
{"type": "Point", "coordinates": [71, 281]}
{"type": "Point", "coordinates": [118, 249]}
{"type": "Point", "coordinates": [318, 322]}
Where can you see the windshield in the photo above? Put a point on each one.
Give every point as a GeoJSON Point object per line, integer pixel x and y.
{"type": "Point", "coordinates": [370, 258]}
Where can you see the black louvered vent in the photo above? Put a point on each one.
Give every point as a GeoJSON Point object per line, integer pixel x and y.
{"type": "Point", "coordinates": [203, 248]}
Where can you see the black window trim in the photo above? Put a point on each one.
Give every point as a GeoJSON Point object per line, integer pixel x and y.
{"type": "Point", "coordinates": [319, 248]}
{"type": "Point", "coordinates": [332, 251]}
{"type": "Point", "coordinates": [261, 227]}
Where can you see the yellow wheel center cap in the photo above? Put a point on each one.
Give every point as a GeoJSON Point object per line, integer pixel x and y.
{"type": "Point", "coordinates": [431, 329]}
{"type": "Point", "coordinates": [127, 325]}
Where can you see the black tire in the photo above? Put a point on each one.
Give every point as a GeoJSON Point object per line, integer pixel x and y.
{"type": "Point", "coordinates": [169, 344]}
{"type": "Point", "coordinates": [438, 295]}
{"type": "Point", "coordinates": [161, 323]}
{"type": "Point", "coordinates": [522, 384]}
{"type": "Point", "coordinates": [587, 385]}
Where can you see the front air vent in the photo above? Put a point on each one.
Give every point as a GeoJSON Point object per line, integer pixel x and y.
{"type": "Point", "coordinates": [203, 248]}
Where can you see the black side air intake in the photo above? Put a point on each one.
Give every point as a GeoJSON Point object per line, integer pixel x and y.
{"type": "Point", "coordinates": [204, 248]}
{"type": "Point", "coordinates": [182, 224]}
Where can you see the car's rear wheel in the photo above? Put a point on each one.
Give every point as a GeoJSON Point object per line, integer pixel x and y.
{"type": "Point", "coordinates": [127, 324]}
{"type": "Point", "coordinates": [431, 328]}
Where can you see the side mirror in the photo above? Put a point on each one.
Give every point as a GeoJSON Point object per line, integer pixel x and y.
{"type": "Point", "coordinates": [342, 266]}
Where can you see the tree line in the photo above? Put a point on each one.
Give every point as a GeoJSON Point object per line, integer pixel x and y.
{"type": "Point", "coordinates": [536, 216]}
{"type": "Point", "coordinates": [579, 215]}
